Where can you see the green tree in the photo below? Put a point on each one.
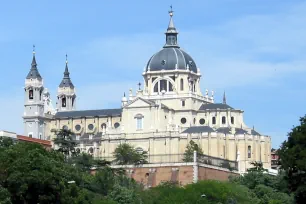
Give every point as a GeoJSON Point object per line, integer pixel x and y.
{"type": "Point", "coordinates": [5, 197]}
{"type": "Point", "coordinates": [191, 147]}
{"type": "Point", "coordinates": [258, 167]}
{"type": "Point", "coordinates": [64, 142]}
{"type": "Point", "coordinates": [293, 160]}
{"type": "Point", "coordinates": [6, 142]}
{"type": "Point", "coordinates": [127, 154]}
{"type": "Point", "coordinates": [31, 174]}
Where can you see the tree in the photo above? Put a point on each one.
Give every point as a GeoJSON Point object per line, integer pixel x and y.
{"type": "Point", "coordinates": [293, 160]}
{"type": "Point", "coordinates": [31, 174]}
{"type": "Point", "coordinates": [191, 147]}
{"type": "Point", "coordinates": [65, 143]}
{"type": "Point", "coordinates": [258, 167]}
{"type": "Point", "coordinates": [127, 154]}
{"type": "Point", "coordinates": [6, 142]}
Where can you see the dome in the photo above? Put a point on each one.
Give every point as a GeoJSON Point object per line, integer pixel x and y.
{"type": "Point", "coordinates": [171, 58]}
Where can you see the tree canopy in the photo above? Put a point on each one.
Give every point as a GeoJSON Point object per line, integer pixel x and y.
{"type": "Point", "coordinates": [190, 148]}
{"type": "Point", "coordinates": [293, 160]}
{"type": "Point", "coordinates": [127, 154]}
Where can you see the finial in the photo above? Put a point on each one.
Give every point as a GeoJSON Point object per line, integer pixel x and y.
{"type": "Point", "coordinates": [171, 11]}
{"type": "Point", "coordinates": [33, 49]}
{"type": "Point", "coordinates": [139, 85]}
{"type": "Point", "coordinates": [66, 58]}
{"type": "Point", "coordinates": [224, 98]}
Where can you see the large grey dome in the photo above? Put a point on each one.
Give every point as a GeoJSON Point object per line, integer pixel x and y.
{"type": "Point", "coordinates": [171, 58]}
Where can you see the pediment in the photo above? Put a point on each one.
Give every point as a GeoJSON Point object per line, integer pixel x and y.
{"type": "Point", "coordinates": [139, 102]}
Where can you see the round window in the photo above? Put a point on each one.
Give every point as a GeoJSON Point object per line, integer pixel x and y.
{"type": "Point", "coordinates": [183, 120]}
{"type": "Point", "coordinates": [116, 125]}
{"type": "Point", "coordinates": [103, 126]}
{"type": "Point", "coordinates": [77, 127]}
{"type": "Point", "coordinates": [202, 121]}
{"type": "Point", "coordinates": [90, 127]}
{"type": "Point", "coordinates": [65, 127]}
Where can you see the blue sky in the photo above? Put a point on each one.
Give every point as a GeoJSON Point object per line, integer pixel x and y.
{"type": "Point", "coordinates": [255, 50]}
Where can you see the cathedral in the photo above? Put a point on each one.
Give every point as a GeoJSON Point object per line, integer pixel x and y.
{"type": "Point", "coordinates": [160, 118]}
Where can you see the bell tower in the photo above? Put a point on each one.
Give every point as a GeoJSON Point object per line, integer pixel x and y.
{"type": "Point", "coordinates": [66, 96]}
{"type": "Point", "coordinates": [33, 116]}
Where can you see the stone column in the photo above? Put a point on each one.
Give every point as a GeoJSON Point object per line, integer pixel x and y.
{"type": "Point", "coordinates": [195, 168]}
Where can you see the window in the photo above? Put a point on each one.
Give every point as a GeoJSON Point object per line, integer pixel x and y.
{"type": "Point", "coordinates": [65, 127]}
{"type": "Point", "coordinates": [90, 126]}
{"type": "Point", "coordinates": [163, 85]}
{"type": "Point", "coordinates": [213, 120]}
{"type": "Point", "coordinates": [194, 121]}
{"type": "Point", "coordinates": [182, 84]}
{"type": "Point", "coordinates": [90, 150]}
{"type": "Point", "coordinates": [183, 120]}
{"type": "Point", "coordinates": [202, 121]}
{"type": "Point", "coordinates": [183, 103]}
{"type": "Point", "coordinates": [116, 125]}
{"type": "Point", "coordinates": [30, 135]}
{"type": "Point", "coordinates": [223, 120]}
{"type": "Point", "coordinates": [40, 136]}
{"type": "Point", "coordinates": [64, 102]}
{"type": "Point", "coordinates": [77, 127]}
{"type": "Point", "coordinates": [103, 126]}
{"type": "Point", "coordinates": [139, 123]}
{"type": "Point", "coordinates": [232, 120]}
{"type": "Point", "coordinates": [77, 137]}
{"type": "Point", "coordinates": [31, 94]}
{"type": "Point", "coordinates": [249, 151]}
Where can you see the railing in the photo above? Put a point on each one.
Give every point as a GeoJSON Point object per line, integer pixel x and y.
{"type": "Point", "coordinates": [215, 161]}
{"type": "Point", "coordinates": [178, 158]}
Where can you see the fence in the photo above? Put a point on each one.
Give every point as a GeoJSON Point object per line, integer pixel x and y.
{"type": "Point", "coordinates": [178, 158]}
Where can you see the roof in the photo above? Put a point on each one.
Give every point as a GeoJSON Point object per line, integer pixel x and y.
{"type": "Point", "coordinates": [88, 113]}
{"type": "Point", "coordinates": [224, 130]}
{"type": "Point", "coordinates": [198, 129]}
{"type": "Point", "coordinates": [66, 82]}
{"type": "Point", "coordinates": [33, 74]}
{"type": "Point", "coordinates": [34, 140]}
{"type": "Point", "coordinates": [171, 58]}
{"type": "Point", "coordinates": [215, 106]}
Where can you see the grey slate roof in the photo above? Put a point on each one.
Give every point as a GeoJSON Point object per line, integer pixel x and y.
{"type": "Point", "coordinates": [170, 58]}
{"type": "Point", "coordinates": [224, 130]}
{"type": "Point", "coordinates": [88, 113]}
{"type": "Point", "coordinates": [215, 106]}
{"type": "Point", "coordinates": [254, 132]}
{"type": "Point", "coordinates": [198, 129]}
{"type": "Point", "coordinates": [66, 82]}
{"type": "Point", "coordinates": [33, 74]}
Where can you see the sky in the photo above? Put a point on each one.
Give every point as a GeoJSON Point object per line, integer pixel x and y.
{"type": "Point", "coordinates": [254, 50]}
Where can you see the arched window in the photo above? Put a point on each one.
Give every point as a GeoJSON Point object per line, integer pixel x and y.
{"type": "Point", "coordinates": [213, 120]}
{"type": "Point", "coordinates": [64, 102]}
{"type": "Point", "coordinates": [232, 120]}
{"type": "Point", "coordinates": [182, 84]}
{"type": "Point", "coordinates": [103, 126]}
{"type": "Point", "coordinates": [249, 151]}
{"type": "Point", "coordinates": [31, 96]}
{"type": "Point", "coordinates": [163, 85]}
{"type": "Point", "coordinates": [223, 120]}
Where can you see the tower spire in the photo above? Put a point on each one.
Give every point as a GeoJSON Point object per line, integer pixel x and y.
{"type": "Point", "coordinates": [224, 98]}
{"type": "Point", "coordinates": [33, 74]}
{"type": "Point", "coordinates": [66, 82]}
{"type": "Point", "coordinates": [171, 33]}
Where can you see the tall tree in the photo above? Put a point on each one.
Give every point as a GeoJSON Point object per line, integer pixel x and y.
{"type": "Point", "coordinates": [190, 148]}
{"type": "Point", "coordinates": [293, 160]}
{"type": "Point", "coordinates": [64, 142]}
{"type": "Point", "coordinates": [127, 154]}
